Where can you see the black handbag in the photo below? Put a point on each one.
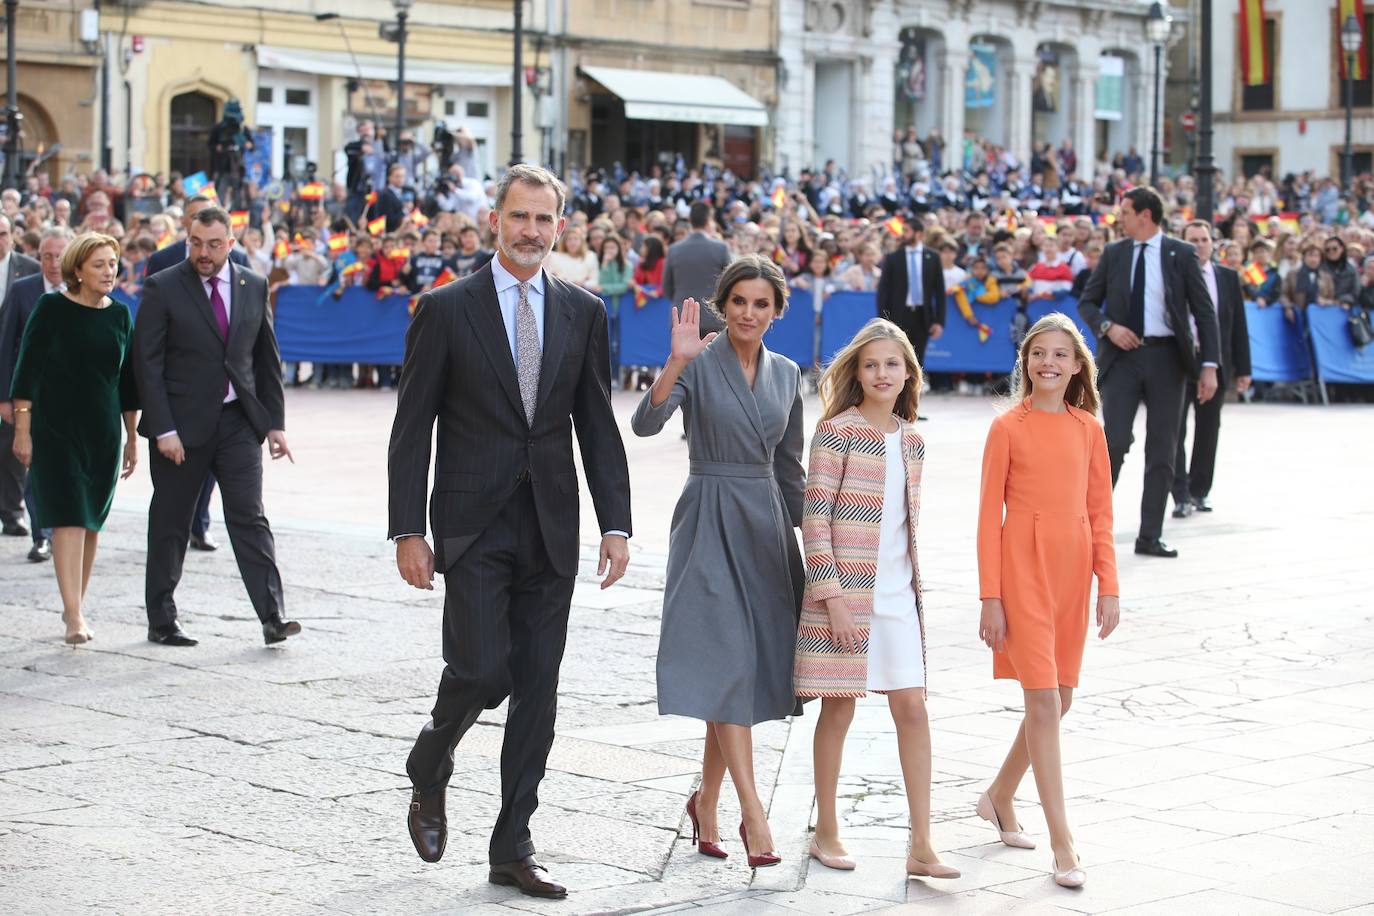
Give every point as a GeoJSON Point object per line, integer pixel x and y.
{"type": "Point", "coordinates": [1361, 329]}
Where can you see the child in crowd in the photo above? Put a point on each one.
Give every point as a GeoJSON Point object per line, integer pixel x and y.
{"type": "Point", "coordinates": [985, 290]}
{"type": "Point", "coordinates": [470, 256]}
{"type": "Point", "coordinates": [426, 264]}
{"type": "Point", "coordinates": [860, 633]}
{"type": "Point", "coordinates": [305, 266]}
{"type": "Point", "coordinates": [1044, 531]}
{"type": "Point", "coordinates": [1051, 275]}
{"type": "Point", "coordinates": [954, 274]}
{"type": "Point", "coordinates": [1092, 253]}
{"type": "Point", "coordinates": [1260, 280]}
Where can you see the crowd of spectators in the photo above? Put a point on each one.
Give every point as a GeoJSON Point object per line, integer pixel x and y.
{"type": "Point", "coordinates": [403, 220]}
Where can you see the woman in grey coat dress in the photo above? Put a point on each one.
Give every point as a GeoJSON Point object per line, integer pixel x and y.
{"type": "Point", "coordinates": [735, 575]}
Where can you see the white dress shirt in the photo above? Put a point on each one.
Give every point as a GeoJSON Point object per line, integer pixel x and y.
{"type": "Point", "coordinates": [1156, 314]}
{"type": "Point", "coordinates": [5, 275]}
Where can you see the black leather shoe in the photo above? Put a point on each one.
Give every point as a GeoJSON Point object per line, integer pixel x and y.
{"type": "Point", "coordinates": [277, 630]}
{"type": "Point", "coordinates": [428, 824]}
{"type": "Point", "coordinates": [1183, 510]}
{"type": "Point", "coordinates": [171, 635]}
{"type": "Point", "coordinates": [1201, 504]}
{"type": "Point", "coordinates": [1154, 547]}
{"type": "Point", "coordinates": [42, 551]}
{"type": "Point", "coordinates": [203, 542]}
{"type": "Point", "coordinates": [15, 530]}
{"type": "Point", "coordinates": [529, 876]}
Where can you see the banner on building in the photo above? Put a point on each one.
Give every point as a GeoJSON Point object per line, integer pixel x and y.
{"type": "Point", "coordinates": [1344, 10]}
{"type": "Point", "coordinates": [1045, 84]}
{"type": "Point", "coordinates": [1254, 44]}
{"type": "Point", "coordinates": [911, 68]}
{"type": "Point", "coordinates": [980, 82]}
{"type": "Point", "coordinates": [257, 162]}
{"type": "Point", "coordinates": [1111, 88]}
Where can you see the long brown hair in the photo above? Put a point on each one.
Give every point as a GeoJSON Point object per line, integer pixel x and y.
{"type": "Point", "coordinates": [1082, 388]}
{"type": "Point", "coordinates": [840, 388]}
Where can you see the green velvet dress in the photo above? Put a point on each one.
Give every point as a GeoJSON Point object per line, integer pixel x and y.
{"type": "Point", "coordinates": [75, 366]}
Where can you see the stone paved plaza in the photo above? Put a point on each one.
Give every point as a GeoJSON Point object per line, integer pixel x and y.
{"type": "Point", "coordinates": [1219, 757]}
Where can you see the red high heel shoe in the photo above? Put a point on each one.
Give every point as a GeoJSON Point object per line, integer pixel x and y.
{"type": "Point", "coordinates": [705, 847]}
{"type": "Point", "coordinates": [761, 860]}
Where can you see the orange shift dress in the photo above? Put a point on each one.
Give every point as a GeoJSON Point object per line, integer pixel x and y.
{"type": "Point", "coordinates": [1044, 530]}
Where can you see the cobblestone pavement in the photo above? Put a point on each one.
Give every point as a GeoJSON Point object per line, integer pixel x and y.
{"type": "Point", "coordinates": [1219, 758]}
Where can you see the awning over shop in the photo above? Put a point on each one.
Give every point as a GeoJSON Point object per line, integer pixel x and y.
{"type": "Point", "coordinates": [375, 67]}
{"type": "Point", "coordinates": [652, 95]}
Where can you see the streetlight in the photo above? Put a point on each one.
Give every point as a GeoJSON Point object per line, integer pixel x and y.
{"type": "Point", "coordinates": [1350, 44]}
{"type": "Point", "coordinates": [402, 10]}
{"type": "Point", "coordinates": [517, 86]}
{"type": "Point", "coordinates": [12, 115]}
{"type": "Point", "coordinates": [1157, 25]}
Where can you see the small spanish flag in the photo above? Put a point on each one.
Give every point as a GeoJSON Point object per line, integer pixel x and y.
{"type": "Point", "coordinates": [445, 276]}
{"type": "Point", "coordinates": [418, 219]}
{"type": "Point", "coordinates": [1344, 10]}
{"type": "Point", "coordinates": [1254, 46]}
{"type": "Point", "coordinates": [338, 243]}
{"type": "Point", "coordinates": [238, 219]}
{"type": "Point", "coordinates": [352, 269]}
{"type": "Point", "coordinates": [299, 241]}
{"type": "Point", "coordinates": [209, 191]}
{"type": "Point", "coordinates": [280, 250]}
{"type": "Point", "coordinates": [779, 197]}
{"type": "Point", "coordinates": [401, 255]}
{"type": "Point", "coordinates": [1253, 274]}
{"type": "Point", "coordinates": [164, 240]}
{"type": "Point", "coordinates": [643, 294]}
{"type": "Point", "coordinates": [895, 226]}
{"type": "Point", "coordinates": [371, 198]}
{"type": "Point", "coordinates": [376, 226]}
{"type": "Point", "coordinates": [1288, 219]}
{"type": "Point", "coordinates": [312, 191]}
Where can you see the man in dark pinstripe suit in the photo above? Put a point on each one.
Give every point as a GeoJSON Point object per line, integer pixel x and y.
{"type": "Point", "coordinates": [508, 360]}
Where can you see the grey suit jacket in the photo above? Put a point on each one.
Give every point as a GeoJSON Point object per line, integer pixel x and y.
{"type": "Point", "coordinates": [21, 265]}
{"type": "Point", "coordinates": [182, 363]}
{"type": "Point", "coordinates": [22, 296]}
{"type": "Point", "coordinates": [690, 272]}
{"type": "Point", "coordinates": [1107, 295]}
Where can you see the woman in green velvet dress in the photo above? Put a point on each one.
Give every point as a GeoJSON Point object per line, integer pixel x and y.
{"type": "Point", "coordinates": [73, 379]}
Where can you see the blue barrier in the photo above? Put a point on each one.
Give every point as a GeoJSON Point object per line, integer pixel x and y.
{"type": "Point", "coordinates": [118, 295]}
{"type": "Point", "coordinates": [794, 334]}
{"type": "Point", "coordinates": [1337, 356]}
{"type": "Point", "coordinates": [644, 333]}
{"type": "Point", "coordinates": [845, 312]}
{"type": "Point", "coordinates": [355, 328]}
{"type": "Point", "coordinates": [1039, 308]}
{"type": "Point", "coordinates": [959, 350]}
{"type": "Point", "coordinates": [1278, 352]}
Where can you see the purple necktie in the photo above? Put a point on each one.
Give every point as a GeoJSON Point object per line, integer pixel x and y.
{"type": "Point", "coordinates": [217, 306]}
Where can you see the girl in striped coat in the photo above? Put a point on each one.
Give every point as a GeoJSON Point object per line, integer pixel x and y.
{"type": "Point", "coordinates": [861, 623]}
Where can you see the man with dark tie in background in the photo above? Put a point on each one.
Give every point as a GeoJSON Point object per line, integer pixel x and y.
{"type": "Point", "coordinates": [1145, 298]}
{"type": "Point", "coordinates": [507, 360]}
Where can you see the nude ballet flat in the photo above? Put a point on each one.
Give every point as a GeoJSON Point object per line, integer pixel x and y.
{"type": "Point", "coordinates": [1073, 877]}
{"type": "Point", "coordinates": [839, 863]}
{"type": "Point", "coordinates": [1013, 838]}
{"type": "Point", "coordinates": [915, 868]}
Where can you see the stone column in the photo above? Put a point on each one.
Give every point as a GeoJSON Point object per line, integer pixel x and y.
{"type": "Point", "coordinates": [791, 144]}
{"type": "Point", "coordinates": [952, 102]}
{"type": "Point", "coordinates": [1019, 122]}
{"type": "Point", "coordinates": [1084, 127]}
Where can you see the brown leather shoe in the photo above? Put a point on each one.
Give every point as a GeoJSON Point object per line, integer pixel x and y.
{"type": "Point", "coordinates": [428, 824]}
{"type": "Point", "coordinates": [529, 876]}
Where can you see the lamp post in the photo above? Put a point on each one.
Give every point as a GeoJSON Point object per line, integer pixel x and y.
{"type": "Point", "coordinates": [402, 11]}
{"type": "Point", "coordinates": [517, 85]}
{"type": "Point", "coordinates": [12, 116]}
{"type": "Point", "coordinates": [1350, 44]}
{"type": "Point", "coordinates": [1206, 165]}
{"type": "Point", "coordinates": [1157, 25]}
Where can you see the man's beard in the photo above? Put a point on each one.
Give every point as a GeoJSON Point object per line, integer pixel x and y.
{"type": "Point", "coordinates": [524, 257]}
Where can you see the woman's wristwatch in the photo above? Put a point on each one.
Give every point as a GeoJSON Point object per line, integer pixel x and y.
{"type": "Point", "coordinates": [1104, 326]}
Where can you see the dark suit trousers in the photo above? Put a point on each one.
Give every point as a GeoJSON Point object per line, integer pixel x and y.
{"type": "Point", "coordinates": [1193, 480]}
{"type": "Point", "coordinates": [505, 625]}
{"type": "Point", "coordinates": [234, 456]}
{"type": "Point", "coordinates": [1153, 374]}
{"type": "Point", "coordinates": [200, 523]}
{"type": "Point", "coordinates": [12, 477]}
{"type": "Point", "coordinates": [918, 331]}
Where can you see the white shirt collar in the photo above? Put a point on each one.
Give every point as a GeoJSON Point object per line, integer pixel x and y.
{"type": "Point", "coordinates": [504, 279]}
{"type": "Point", "coordinates": [1153, 241]}
{"type": "Point", "coordinates": [225, 275]}
{"type": "Point", "coordinates": [61, 286]}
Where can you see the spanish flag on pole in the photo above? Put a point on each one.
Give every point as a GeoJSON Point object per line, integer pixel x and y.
{"type": "Point", "coordinates": [779, 197]}
{"type": "Point", "coordinates": [1344, 10]}
{"type": "Point", "coordinates": [895, 226]}
{"type": "Point", "coordinates": [1254, 49]}
{"type": "Point", "coordinates": [238, 219]}
{"type": "Point", "coordinates": [376, 226]}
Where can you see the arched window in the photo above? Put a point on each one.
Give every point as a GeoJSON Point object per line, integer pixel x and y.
{"type": "Point", "coordinates": [193, 114]}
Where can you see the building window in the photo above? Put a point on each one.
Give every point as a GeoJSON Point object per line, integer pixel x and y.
{"type": "Point", "coordinates": [1252, 164]}
{"type": "Point", "coordinates": [298, 97]}
{"type": "Point", "coordinates": [450, 107]}
{"type": "Point", "coordinates": [477, 109]}
{"type": "Point", "coordinates": [1363, 88]}
{"type": "Point", "coordinates": [264, 95]}
{"type": "Point", "coordinates": [1261, 97]}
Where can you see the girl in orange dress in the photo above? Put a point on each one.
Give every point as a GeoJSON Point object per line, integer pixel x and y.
{"type": "Point", "coordinates": [1046, 464]}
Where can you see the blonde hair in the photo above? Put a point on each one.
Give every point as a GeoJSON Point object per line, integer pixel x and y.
{"type": "Point", "coordinates": [79, 251]}
{"type": "Point", "coordinates": [840, 388]}
{"type": "Point", "coordinates": [1082, 388]}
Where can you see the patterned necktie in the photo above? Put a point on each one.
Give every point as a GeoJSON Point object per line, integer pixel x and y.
{"type": "Point", "coordinates": [527, 352]}
{"type": "Point", "coordinates": [1135, 318]}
